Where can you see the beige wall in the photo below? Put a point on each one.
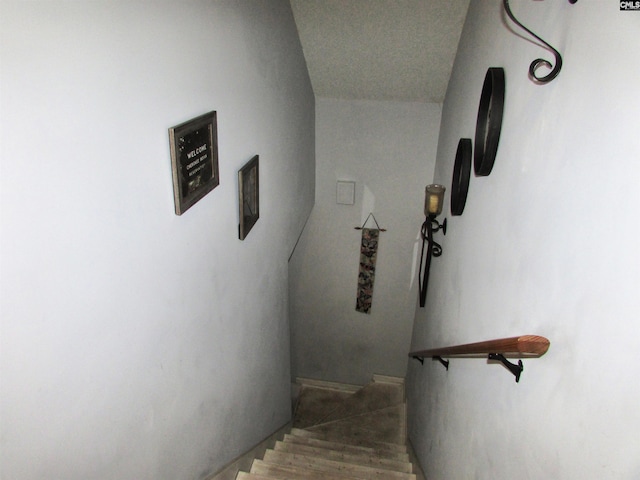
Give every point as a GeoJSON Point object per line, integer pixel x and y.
{"type": "Point", "coordinates": [137, 344]}
{"type": "Point", "coordinates": [388, 149]}
{"type": "Point", "coordinates": [547, 245]}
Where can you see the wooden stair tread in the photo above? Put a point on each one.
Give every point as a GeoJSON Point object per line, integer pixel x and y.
{"type": "Point", "coordinates": [369, 460]}
{"type": "Point", "coordinates": [332, 466]}
{"type": "Point", "coordinates": [393, 454]}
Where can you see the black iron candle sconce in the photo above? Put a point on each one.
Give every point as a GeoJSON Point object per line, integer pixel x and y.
{"type": "Point", "coordinates": [434, 199]}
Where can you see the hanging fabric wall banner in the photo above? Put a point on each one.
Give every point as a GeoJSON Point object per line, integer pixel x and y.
{"type": "Point", "coordinates": [368, 254]}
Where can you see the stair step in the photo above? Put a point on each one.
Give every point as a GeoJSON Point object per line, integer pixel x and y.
{"type": "Point", "coordinates": [314, 404]}
{"type": "Point", "coordinates": [356, 434]}
{"type": "Point", "coordinates": [328, 436]}
{"type": "Point", "coordinates": [287, 472]}
{"type": "Point", "coordinates": [372, 397]}
{"type": "Point", "coordinates": [386, 425]}
{"type": "Point", "coordinates": [346, 448]}
{"type": "Point", "coordinates": [332, 466]}
{"type": "Point", "coordinates": [355, 459]}
{"type": "Point", "coordinates": [252, 476]}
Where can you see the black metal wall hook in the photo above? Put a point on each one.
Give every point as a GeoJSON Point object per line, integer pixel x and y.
{"type": "Point", "coordinates": [538, 62]}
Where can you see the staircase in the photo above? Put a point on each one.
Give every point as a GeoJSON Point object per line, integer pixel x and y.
{"type": "Point", "coordinates": [344, 435]}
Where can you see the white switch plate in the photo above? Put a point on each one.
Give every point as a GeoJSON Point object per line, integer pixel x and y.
{"type": "Point", "coordinates": [346, 193]}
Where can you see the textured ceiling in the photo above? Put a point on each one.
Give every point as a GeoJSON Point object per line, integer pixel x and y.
{"type": "Point", "coordinates": [380, 49]}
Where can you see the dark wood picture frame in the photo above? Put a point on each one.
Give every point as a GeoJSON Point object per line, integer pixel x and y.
{"type": "Point", "coordinates": [194, 160]}
{"type": "Point", "coordinates": [249, 196]}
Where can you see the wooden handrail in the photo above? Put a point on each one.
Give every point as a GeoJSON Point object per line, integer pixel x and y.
{"type": "Point", "coordinates": [498, 349]}
{"type": "Point", "coordinates": [522, 346]}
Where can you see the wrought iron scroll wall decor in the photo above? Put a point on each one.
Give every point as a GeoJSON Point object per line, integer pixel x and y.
{"type": "Point", "coordinates": [538, 62]}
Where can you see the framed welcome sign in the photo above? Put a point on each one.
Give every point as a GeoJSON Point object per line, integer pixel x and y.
{"type": "Point", "coordinates": [194, 160]}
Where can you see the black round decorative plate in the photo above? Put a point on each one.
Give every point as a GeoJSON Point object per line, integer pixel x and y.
{"type": "Point", "coordinates": [461, 174]}
{"type": "Point", "coordinates": [489, 121]}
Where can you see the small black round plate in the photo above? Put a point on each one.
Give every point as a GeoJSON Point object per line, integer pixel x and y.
{"type": "Point", "coordinates": [461, 174]}
{"type": "Point", "coordinates": [489, 121]}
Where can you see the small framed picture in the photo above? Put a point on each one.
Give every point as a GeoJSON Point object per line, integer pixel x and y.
{"type": "Point", "coordinates": [249, 196]}
{"type": "Point", "coordinates": [194, 160]}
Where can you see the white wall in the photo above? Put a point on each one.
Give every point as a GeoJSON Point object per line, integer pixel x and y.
{"type": "Point", "coordinates": [547, 245]}
{"type": "Point", "coordinates": [388, 149]}
{"type": "Point", "coordinates": [136, 343]}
